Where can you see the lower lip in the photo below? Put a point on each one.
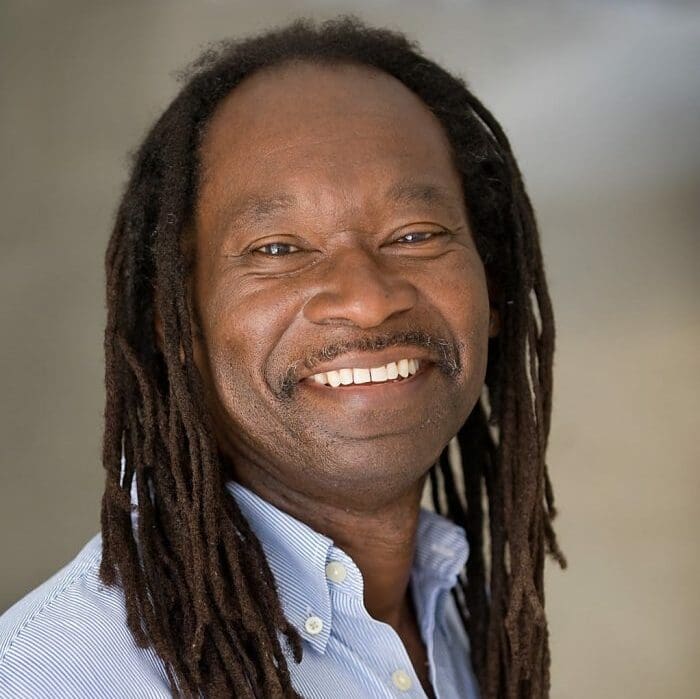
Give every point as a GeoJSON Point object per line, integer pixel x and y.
{"type": "Point", "coordinates": [373, 394]}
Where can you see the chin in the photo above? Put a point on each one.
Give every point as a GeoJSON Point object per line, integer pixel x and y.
{"type": "Point", "coordinates": [379, 471]}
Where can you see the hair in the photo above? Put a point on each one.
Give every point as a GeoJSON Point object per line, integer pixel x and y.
{"type": "Point", "coordinates": [197, 586]}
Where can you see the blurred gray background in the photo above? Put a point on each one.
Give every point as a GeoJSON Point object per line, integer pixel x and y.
{"type": "Point", "coordinates": [601, 102]}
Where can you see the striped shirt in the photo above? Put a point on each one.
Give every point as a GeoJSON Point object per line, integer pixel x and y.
{"type": "Point", "coordinates": [69, 638]}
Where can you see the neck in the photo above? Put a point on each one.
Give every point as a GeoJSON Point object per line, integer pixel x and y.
{"type": "Point", "coordinates": [382, 545]}
{"type": "Point", "coordinates": [381, 542]}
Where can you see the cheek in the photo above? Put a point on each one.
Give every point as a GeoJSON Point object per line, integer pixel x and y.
{"type": "Point", "coordinates": [460, 293]}
{"type": "Point", "coordinates": [241, 326]}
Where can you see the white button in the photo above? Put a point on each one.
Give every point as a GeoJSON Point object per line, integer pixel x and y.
{"type": "Point", "coordinates": [401, 680]}
{"type": "Point", "coordinates": [314, 625]}
{"type": "Point", "coordinates": [336, 572]}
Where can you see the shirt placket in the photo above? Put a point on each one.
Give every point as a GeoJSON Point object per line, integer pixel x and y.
{"type": "Point", "coordinates": [376, 644]}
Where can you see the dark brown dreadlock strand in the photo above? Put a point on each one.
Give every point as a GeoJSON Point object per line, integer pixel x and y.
{"type": "Point", "coordinates": [197, 586]}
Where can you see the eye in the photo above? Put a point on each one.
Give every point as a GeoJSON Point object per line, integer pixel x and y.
{"type": "Point", "coordinates": [419, 236]}
{"type": "Point", "coordinates": [276, 249]}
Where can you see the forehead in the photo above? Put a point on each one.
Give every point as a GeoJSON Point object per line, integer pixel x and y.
{"type": "Point", "coordinates": [321, 133]}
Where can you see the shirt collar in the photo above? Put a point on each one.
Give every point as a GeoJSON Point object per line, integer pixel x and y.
{"type": "Point", "coordinates": [441, 554]}
{"type": "Point", "coordinates": [441, 547]}
{"type": "Point", "coordinates": [297, 555]}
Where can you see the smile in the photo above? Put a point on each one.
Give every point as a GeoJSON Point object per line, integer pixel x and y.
{"type": "Point", "coordinates": [393, 371]}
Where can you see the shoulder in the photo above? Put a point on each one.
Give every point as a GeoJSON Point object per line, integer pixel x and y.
{"type": "Point", "coordinates": [69, 638]}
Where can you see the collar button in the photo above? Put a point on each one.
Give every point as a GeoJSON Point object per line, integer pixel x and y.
{"type": "Point", "coordinates": [336, 572]}
{"type": "Point", "coordinates": [314, 625]}
{"type": "Point", "coordinates": [401, 680]}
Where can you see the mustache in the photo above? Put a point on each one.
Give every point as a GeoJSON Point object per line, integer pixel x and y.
{"type": "Point", "coordinates": [443, 353]}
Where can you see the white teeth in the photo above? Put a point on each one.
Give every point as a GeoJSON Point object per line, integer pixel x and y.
{"type": "Point", "coordinates": [361, 376]}
{"type": "Point", "coordinates": [334, 378]}
{"type": "Point", "coordinates": [378, 373]}
{"type": "Point", "coordinates": [388, 372]}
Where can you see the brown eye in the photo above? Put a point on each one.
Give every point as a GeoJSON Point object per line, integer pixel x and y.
{"type": "Point", "coordinates": [277, 249]}
{"type": "Point", "coordinates": [419, 236]}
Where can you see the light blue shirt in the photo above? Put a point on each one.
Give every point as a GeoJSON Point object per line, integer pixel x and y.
{"type": "Point", "coordinates": [69, 638]}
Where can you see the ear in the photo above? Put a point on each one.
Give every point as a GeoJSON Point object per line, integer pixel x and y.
{"type": "Point", "coordinates": [187, 242]}
{"type": "Point", "coordinates": [494, 322]}
{"type": "Point", "coordinates": [158, 327]}
{"type": "Point", "coordinates": [494, 315]}
{"type": "Point", "coordinates": [160, 339]}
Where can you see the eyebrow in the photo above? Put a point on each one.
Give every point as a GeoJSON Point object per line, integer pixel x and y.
{"type": "Point", "coordinates": [412, 192]}
{"type": "Point", "coordinates": [255, 209]}
{"type": "Point", "coordinates": [258, 209]}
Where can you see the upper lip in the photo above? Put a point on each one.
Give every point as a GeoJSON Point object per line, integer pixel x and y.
{"type": "Point", "coordinates": [367, 360]}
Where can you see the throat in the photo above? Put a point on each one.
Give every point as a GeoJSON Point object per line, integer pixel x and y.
{"type": "Point", "coordinates": [415, 647]}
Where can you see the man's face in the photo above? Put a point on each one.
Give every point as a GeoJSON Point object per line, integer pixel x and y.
{"type": "Point", "coordinates": [331, 233]}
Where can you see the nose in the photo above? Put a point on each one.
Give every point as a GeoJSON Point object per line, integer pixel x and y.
{"type": "Point", "coordinates": [357, 288]}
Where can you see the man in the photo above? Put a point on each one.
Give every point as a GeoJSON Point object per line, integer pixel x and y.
{"type": "Point", "coordinates": [325, 269]}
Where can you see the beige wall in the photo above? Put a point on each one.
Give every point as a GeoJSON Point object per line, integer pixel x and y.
{"type": "Point", "coordinates": [601, 102]}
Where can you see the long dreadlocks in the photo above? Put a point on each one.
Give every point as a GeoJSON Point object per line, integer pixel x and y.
{"type": "Point", "coordinates": [197, 586]}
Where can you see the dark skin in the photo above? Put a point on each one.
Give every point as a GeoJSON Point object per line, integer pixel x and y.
{"type": "Point", "coordinates": [349, 173]}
